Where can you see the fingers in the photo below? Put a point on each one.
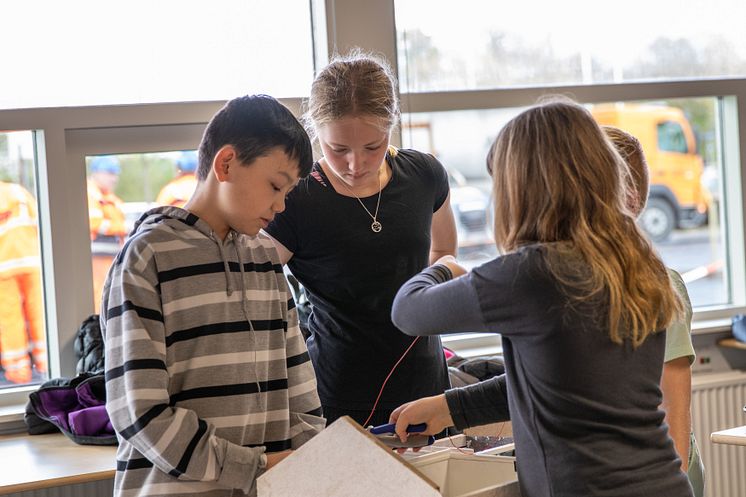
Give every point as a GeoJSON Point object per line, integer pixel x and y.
{"type": "Point", "coordinates": [402, 422]}
{"type": "Point", "coordinates": [432, 411]}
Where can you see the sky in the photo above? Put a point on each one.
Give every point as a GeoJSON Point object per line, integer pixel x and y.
{"type": "Point", "coordinates": [574, 25]}
{"type": "Point", "coordinates": [83, 52]}
{"type": "Point", "coordinates": [89, 52]}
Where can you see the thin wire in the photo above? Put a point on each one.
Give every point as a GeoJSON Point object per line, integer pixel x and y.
{"type": "Point", "coordinates": [387, 379]}
{"type": "Point", "coordinates": [457, 448]}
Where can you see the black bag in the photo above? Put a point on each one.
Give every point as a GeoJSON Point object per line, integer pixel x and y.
{"type": "Point", "coordinates": [89, 346]}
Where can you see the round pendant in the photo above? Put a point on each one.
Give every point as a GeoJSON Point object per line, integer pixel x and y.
{"type": "Point", "coordinates": [376, 226]}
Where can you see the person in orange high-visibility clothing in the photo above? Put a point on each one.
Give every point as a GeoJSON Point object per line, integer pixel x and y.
{"type": "Point", "coordinates": [22, 336]}
{"type": "Point", "coordinates": [180, 189]}
{"type": "Point", "coordinates": [106, 218]}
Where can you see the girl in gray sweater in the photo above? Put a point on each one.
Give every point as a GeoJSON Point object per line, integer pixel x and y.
{"type": "Point", "coordinates": [579, 298]}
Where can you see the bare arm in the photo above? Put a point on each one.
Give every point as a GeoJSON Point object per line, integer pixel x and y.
{"type": "Point", "coordinates": [443, 232]}
{"type": "Point", "coordinates": [285, 254]}
{"type": "Point", "coordinates": [676, 384]}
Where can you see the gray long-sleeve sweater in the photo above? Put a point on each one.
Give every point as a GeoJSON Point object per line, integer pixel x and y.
{"type": "Point", "coordinates": [205, 365]}
{"type": "Point", "coordinates": [585, 411]}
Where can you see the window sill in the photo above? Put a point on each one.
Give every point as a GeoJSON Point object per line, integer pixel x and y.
{"type": "Point", "coordinates": [476, 344]}
{"type": "Point", "coordinates": [12, 408]}
{"type": "Point", "coordinates": [710, 326]}
{"type": "Point", "coordinates": [11, 419]}
{"type": "Point", "coordinates": [52, 460]}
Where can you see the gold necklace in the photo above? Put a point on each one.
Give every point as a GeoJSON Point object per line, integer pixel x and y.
{"type": "Point", "coordinates": [376, 225]}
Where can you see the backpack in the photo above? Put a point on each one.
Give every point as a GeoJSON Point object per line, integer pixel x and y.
{"type": "Point", "coordinates": [89, 346]}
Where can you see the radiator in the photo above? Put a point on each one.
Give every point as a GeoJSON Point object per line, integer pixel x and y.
{"type": "Point", "coordinates": [717, 404]}
{"type": "Point", "coordinates": [101, 488]}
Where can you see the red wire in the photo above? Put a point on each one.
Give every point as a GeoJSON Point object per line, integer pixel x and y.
{"type": "Point", "coordinates": [387, 379]}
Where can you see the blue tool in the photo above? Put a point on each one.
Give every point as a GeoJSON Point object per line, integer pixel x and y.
{"type": "Point", "coordinates": [387, 435]}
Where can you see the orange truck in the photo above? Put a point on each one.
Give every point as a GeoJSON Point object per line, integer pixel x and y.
{"type": "Point", "coordinates": [677, 198]}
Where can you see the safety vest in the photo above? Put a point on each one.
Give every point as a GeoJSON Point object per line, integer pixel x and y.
{"type": "Point", "coordinates": [19, 241]}
{"type": "Point", "coordinates": [105, 213]}
{"type": "Point", "coordinates": [178, 191]}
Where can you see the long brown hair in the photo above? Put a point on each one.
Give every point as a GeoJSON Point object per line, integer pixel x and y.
{"type": "Point", "coordinates": [558, 181]}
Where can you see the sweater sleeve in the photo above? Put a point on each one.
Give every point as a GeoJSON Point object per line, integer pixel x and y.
{"type": "Point", "coordinates": [479, 404]}
{"type": "Point", "coordinates": [304, 403]}
{"type": "Point", "coordinates": [432, 303]}
{"type": "Point", "coordinates": [174, 439]}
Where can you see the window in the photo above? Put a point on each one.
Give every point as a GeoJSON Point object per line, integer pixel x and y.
{"type": "Point", "coordinates": [120, 189]}
{"type": "Point", "coordinates": [86, 52]}
{"type": "Point", "coordinates": [462, 76]}
{"type": "Point", "coordinates": [684, 208]}
{"type": "Point", "coordinates": [23, 339]}
{"type": "Point", "coordinates": [454, 100]}
{"type": "Point", "coordinates": [671, 138]}
{"type": "Point", "coordinates": [487, 44]}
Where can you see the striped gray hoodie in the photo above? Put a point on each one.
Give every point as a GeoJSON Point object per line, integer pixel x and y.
{"type": "Point", "coordinates": [205, 364]}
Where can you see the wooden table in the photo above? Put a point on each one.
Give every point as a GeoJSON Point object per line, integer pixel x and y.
{"type": "Point", "coordinates": [733, 436]}
{"type": "Point", "coordinates": [52, 460]}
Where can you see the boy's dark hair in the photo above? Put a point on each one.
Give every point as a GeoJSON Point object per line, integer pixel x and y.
{"type": "Point", "coordinates": [254, 125]}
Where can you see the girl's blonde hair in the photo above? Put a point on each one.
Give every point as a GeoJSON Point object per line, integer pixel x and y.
{"type": "Point", "coordinates": [356, 84]}
{"type": "Point", "coordinates": [558, 181]}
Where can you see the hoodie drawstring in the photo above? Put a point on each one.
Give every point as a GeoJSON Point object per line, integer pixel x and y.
{"type": "Point", "coordinates": [245, 307]}
{"type": "Point", "coordinates": [226, 267]}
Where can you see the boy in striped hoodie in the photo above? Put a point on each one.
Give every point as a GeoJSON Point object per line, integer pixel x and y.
{"type": "Point", "coordinates": [208, 380]}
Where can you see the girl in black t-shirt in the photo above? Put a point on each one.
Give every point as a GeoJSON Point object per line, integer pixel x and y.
{"type": "Point", "coordinates": [367, 219]}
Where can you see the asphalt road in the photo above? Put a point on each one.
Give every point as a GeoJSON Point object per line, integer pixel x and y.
{"type": "Point", "coordinates": [699, 256]}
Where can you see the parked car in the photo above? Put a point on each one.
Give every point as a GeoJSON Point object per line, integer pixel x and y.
{"type": "Point", "coordinates": [471, 209]}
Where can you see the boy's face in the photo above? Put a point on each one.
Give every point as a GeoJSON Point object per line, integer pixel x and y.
{"type": "Point", "coordinates": [251, 195]}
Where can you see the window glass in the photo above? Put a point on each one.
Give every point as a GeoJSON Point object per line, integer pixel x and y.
{"type": "Point", "coordinates": [88, 52]}
{"type": "Point", "coordinates": [121, 188]}
{"type": "Point", "coordinates": [23, 350]}
{"type": "Point", "coordinates": [682, 216]}
{"type": "Point", "coordinates": [485, 44]}
{"type": "Point", "coordinates": [671, 138]}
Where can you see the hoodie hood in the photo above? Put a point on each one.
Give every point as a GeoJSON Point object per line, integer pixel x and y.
{"type": "Point", "coordinates": [175, 217]}
{"type": "Point", "coordinates": [179, 219]}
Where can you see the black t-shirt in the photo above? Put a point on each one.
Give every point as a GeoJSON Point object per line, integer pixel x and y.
{"type": "Point", "coordinates": [351, 275]}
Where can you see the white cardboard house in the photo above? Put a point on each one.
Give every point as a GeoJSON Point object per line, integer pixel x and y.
{"type": "Point", "coordinates": [344, 460]}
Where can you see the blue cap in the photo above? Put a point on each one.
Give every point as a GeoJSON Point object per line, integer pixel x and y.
{"type": "Point", "coordinates": [187, 161]}
{"type": "Point", "coordinates": [105, 164]}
